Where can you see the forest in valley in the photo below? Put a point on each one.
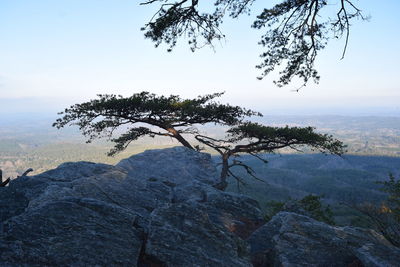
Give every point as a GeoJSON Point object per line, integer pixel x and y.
{"type": "Point", "coordinates": [39, 146]}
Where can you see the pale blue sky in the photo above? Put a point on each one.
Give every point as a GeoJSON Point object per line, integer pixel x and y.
{"type": "Point", "coordinates": [68, 51]}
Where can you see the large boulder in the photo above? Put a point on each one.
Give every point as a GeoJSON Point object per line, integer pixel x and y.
{"type": "Point", "coordinates": [158, 208]}
{"type": "Point", "coordinates": [290, 239]}
{"type": "Point", "coordinates": [184, 235]}
{"type": "Point", "coordinates": [67, 216]}
{"type": "Point", "coordinates": [178, 165]}
{"type": "Point", "coordinates": [73, 232]}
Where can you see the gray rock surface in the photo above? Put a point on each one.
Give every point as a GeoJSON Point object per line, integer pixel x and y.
{"type": "Point", "coordinates": [87, 214]}
{"type": "Point", "coordinates": [71, 231]}
{"type": "Point", "coordinates": [178, 165]}
{"type": "Point", "coordinates": [183, 235]}
{"type": "Point", "coordinates": [290, 239]}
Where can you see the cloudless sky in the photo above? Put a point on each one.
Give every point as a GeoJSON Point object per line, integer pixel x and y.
{"type": "Point", "coordinates": [57, 53]}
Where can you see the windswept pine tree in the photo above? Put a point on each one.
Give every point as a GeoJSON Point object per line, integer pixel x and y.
{"type": "Point", "coordinates": [146, 114]}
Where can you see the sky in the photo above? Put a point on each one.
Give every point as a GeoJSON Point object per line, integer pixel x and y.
{"type": "Point", "coordinates": [57, 53]}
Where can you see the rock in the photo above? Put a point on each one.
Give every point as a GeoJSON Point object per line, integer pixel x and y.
{"type": "Point", "coordinates": [70, 171]}
{"type": "Point", "coordinates": [66, 217]}
{"type": "Point", "coordinates": [290, 239]}
{"type": "Point", "coordinates": [71, 232]}
{"type": "Point", "coordinates": [87, 214]}
{"type": "Point", "coordinates": [174, 165]}
{"type": "Point", "coordinates": [238, 213]}
{"type": "Point", "coordinates": [12, 203]}
{"type": "Point", "coordinates": [183, 235]}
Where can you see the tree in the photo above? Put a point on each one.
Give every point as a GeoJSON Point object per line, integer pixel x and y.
{"type": "Point", "coordinates": [253, 138]}
{"type": "Point", "coordinates": [385, 218]}
{"type": "Point", "coordinates": [310, 205]}
{"type": "Point", "coordinates": [171, 116]}
{"type": "Point", "coordinates": [5, 182]}
{"type": "Point", "coordinates": [295, 30]}
{"type": "Point", "coordinates": [382, 219]}
{"type": "Point", "coordinates": [8, 180]}
{"type": "Point", "coordinates": [392, 187]}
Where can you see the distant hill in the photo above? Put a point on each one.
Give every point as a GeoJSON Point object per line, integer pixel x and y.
{"type": "Point", "coordinates": [29, 141]}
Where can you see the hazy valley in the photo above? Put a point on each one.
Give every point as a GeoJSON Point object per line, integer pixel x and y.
{"type": "Point", "coordinates": [373, 152]}
{"type": "Point", "coordinates": [33, 143]}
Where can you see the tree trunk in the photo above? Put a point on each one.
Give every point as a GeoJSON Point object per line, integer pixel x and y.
{"type": "Point", "coordinates": [3, 183]}
{"type": "Point", "coordinates": [224, 173]}
{"type": "Point", "coordinates": [179, 137]}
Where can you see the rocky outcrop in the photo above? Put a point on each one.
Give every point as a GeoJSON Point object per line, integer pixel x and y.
{"type": "Point", "coordinates": [184, 235]}
{"type": "Point", "coordinates": [290, 239]}
{"type": "Point", "coordinates": [153, 209]}
{"type": "Point", "coordinates": [160, 208]}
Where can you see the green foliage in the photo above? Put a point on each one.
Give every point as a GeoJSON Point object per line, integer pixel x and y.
{"type": "Point", "coordinates": [392, 187]}
{"type": "Point", "coordinates": [273, 207]}
{"type": "Point", "coordinates": [312, 204]}
{"type": "Point", "coordinates": [384, 220]}
{"type": "Point", "coordinates": [267, 139]}
{"type": "Point", "coordinates": [309, 205]}
{"type": "Point", "coordinates": [145, 114]}
{"type": "Point", "coordinates": [295, 30]}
